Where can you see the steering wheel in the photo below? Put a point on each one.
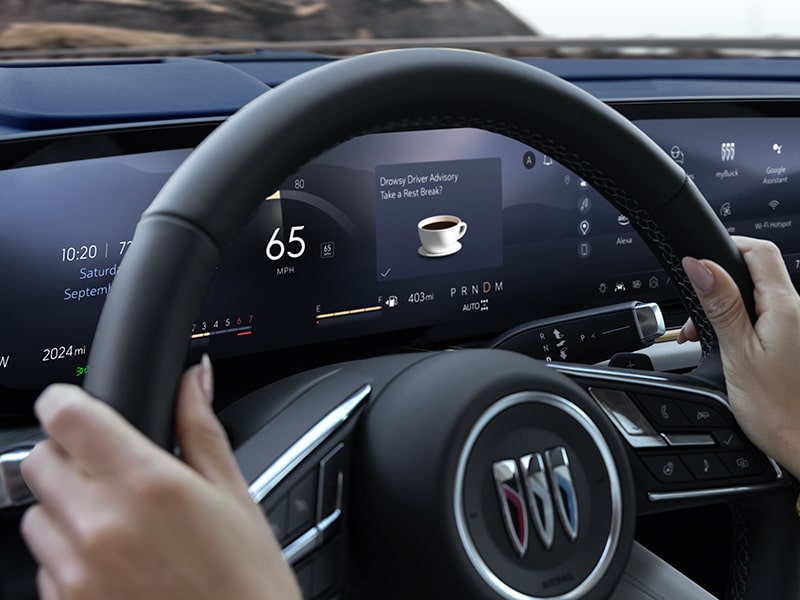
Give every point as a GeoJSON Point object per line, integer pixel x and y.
{"type": "Point", "coordinates": [522, 481]}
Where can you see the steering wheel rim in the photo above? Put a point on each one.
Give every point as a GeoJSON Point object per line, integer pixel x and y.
{"type": "Point", "coordinates": [208, 200]}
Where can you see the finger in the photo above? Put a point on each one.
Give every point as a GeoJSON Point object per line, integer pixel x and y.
{"type": "Point", "coordinates": [203, 442]}
{"type": "Point", "coordinates": [721, 300]}
{"type": "Point", "coordinates": [776, 301]}
{"type": "Point", "coordinates": [47, 588]}
{"type": "Point", "coordinates": [767, 267]}
{"type": "Point", "coordinates": [48, 543]}
{"type": "Point", "coordinates": [91, 432]}
{"type": "Point", "coordinates": [54, 479]}
{"type": "Point", "coordinates": [688, 333]}
{"type": "Point", "coordinates": [767, 257]}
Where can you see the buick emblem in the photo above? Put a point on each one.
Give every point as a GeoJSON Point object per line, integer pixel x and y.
{"type": "Point", "coordinates": [534, 488]}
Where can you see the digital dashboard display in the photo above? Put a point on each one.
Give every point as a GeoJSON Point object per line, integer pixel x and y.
{"type": "Point", "coordinates": [447, 233]}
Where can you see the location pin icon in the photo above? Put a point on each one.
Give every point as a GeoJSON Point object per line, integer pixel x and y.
{"type": "Point", "coordinates": [584, 227]}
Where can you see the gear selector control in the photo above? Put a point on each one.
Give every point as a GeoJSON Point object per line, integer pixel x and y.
{"type": "Point", "coordinates": [587, 336]}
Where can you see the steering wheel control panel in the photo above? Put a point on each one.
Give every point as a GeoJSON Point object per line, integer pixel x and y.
{"type": "Point", "coordinates": [432, 235]}
{"type": "Point", "coordinates": [685, 440]}
{"type": "Point", "coordinates": [306, 521]}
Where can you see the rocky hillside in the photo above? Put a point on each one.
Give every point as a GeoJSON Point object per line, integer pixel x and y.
{"type": "Point", "coordinates": [30, 24]}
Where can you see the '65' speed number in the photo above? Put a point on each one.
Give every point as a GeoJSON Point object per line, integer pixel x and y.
{"type": "Point", "coordinates": [294, 247]}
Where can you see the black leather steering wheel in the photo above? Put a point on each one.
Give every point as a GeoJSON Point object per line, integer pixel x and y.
{"type": "Point", "coordinates": [200, 211]}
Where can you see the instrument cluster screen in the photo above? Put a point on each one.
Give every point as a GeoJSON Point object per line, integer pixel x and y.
{"type": "Point", "coordinates": [450, 233]}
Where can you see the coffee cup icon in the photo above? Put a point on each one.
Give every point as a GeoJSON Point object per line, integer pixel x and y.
{"type": "Point", "coordinates": [439, 235]}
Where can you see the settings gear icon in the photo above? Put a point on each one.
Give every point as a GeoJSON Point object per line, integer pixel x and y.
{"type": "Point", "coordinates": [603, 288]}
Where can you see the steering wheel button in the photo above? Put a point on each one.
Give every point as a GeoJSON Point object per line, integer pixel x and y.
{"type": "Point", "coordinates": [619, 405]}
{"type": "Point", "coordinates": [705, 466]}
{"type": "Point", "coordinates": [728, 439]}
{"type": "Point", "coordinates": [303, 575]}
{"type": "Point", "coordinates": [668, 468]}
{"type": "Point", "coordinates": [326, 568]}
{"type": "Point", "coordinates": [663, 411]}
{"type": "Point", "coordinates": [278, 517]}
{"type": "Point", "coordinates": [625, 415]}
{"type": "Point", "coordinates": [302, 502]}
{"type": "Point", "coordinates": [741, 464]}
{"type": "Point", "coordinates": [704, 416]}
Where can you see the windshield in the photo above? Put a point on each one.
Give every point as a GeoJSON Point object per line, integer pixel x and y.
{"type": "Point", "coordinates": [44, 28]}
{"type": "Point", "coordinates": [674, 18]}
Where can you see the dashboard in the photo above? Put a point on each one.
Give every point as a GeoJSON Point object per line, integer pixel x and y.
{"type": "Point", "coordinates": [391, 241]}
{"type": "Point", "coordinates": [408, 238]}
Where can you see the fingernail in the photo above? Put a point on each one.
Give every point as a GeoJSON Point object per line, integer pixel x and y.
{"type": "Point", "coordinates": [681, 336]}
{"type": "Point", "coordinates": [699, 275]}
{"type": "Point", "coordinates": [207, 378]}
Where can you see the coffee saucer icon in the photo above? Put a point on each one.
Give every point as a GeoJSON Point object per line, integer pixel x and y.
{"type": "Point", "coordinates": [452, 250]}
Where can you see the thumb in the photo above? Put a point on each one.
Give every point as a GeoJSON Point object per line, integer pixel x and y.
{"type": "Point", "coordinates": [203, 441]}
{"type": "Point", "coordinates": [721, 300]}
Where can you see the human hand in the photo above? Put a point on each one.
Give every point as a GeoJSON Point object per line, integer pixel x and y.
{"type": "Point", "coordinates": [759, 361]}
{"type": "Point", "coordinates": [120, 518]}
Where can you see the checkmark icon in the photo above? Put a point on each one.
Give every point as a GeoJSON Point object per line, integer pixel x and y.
{"type": "Point", "coordinates": [386, 273]}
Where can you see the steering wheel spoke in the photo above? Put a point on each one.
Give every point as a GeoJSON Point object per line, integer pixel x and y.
{"type": "Point", "coordinates": [350, 457]}
{"type": "Point", "coordinates": [297, 463]}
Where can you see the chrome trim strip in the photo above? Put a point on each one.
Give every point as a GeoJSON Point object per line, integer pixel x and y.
{"type": "Point", "coordinates": [679, 440]}
{"type": "Point", "coordinates": [313, 439]}
{"type": "Point", "coordinates": [776, 466]}
{"type": "Point", "coordinates": [303, 546]}
{"type": "Point", "coordinates": [582, 370]}
{"type": "Point", "coordinates": [13, 489]}
{"type": "Point", "coordinates": [709, 493]}
{"type": "Point", "coordinates": [328, 521]}
{"type": "Point", "coordinates": [559, 403]}
{"type": "Point", "coordinates": [310, 540]}
{"type": "Point", "coordinates": [324, 465]}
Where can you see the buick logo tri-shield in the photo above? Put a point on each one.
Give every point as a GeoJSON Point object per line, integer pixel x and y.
{"type": "Point", "coordinates": [535, 487]}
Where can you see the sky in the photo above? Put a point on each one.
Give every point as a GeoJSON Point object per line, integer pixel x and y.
{"type": "Point", "coordinates": [673, 18]}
